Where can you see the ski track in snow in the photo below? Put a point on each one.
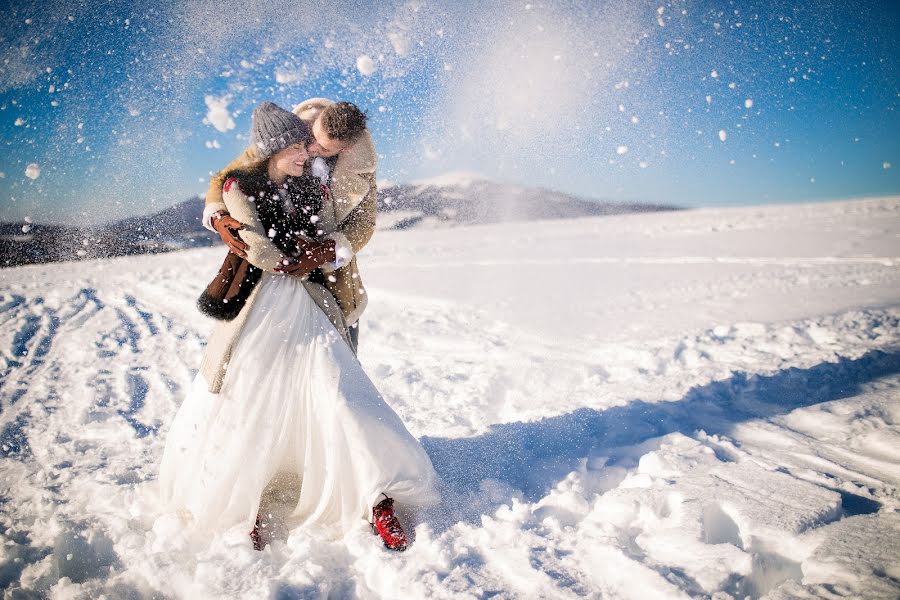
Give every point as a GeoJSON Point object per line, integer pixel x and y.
{"type": "Point", "coordinates": [697, 458]}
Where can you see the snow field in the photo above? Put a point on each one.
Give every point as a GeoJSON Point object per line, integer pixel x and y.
{"type": "Point", "coordinates": [681, 434]}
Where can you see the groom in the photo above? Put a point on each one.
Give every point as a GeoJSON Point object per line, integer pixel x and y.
{"type": "Point", "coordinates": [345, 161]}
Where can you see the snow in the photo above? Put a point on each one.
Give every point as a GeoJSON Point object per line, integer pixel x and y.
{"type": "Point", "coordinates": [453, 178]}
{"type": "Point", "coordinates": [748, 103]}
{"type": "Point", "coordinates": [723, 135]}
{"type": "Point", "coordinates": [289, 74]}
{"type": "Point", "coordinates": [621, 150]}
{"type": "Point", "coordinates": [217, 112]}
{"type": "Point", "coordinates": [365, 65]}
{"type": "Point", "coordinates": [399, 42]}
{"type": "Point", "coordinates": [669, 405]}
{"type": "Point", "coordinates": [33, 171]}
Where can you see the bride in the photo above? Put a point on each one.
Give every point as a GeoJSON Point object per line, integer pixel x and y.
{"type": "Point", "coordinates": [281, 406]}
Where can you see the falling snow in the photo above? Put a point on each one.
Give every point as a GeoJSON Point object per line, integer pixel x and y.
{"type": "Point", "coordinates": [217, 114]}
{"type": "Point", "coordinates": [365, 65]}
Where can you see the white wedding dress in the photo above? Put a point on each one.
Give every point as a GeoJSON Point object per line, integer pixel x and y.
{"type": "Point", "coordinates": [296, 407]}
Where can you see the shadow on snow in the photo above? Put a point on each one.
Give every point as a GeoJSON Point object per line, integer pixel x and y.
{"type": "Point", "coordinates": [532, 457]}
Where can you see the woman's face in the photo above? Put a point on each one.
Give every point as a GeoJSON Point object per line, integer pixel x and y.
{"type": "Point", "coordinates": [289, 162]}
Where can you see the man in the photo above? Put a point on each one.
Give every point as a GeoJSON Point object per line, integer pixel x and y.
{"type": "Point", "coordinates": [345, 161]}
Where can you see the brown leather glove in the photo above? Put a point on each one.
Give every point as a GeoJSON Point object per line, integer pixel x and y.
{"type": "Point", "coordinates": [312, 255]}
{"type": "Point", "coordinates": [227, 227]}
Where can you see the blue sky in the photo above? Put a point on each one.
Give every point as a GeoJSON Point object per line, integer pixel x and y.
{"type": "Point", "coordinates": [610, 100]}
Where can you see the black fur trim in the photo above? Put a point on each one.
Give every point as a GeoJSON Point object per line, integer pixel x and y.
{"type": "Point", "coordinates": [221, 310]}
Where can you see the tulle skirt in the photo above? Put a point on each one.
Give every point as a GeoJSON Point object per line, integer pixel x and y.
{"type": "Point", "coordinates": [295, 410]}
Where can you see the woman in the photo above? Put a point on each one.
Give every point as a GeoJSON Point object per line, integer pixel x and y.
{"type": "Point", "coordinates": [291, 412]}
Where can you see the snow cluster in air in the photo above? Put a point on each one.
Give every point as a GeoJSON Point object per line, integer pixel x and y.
{"type": "Point", "coordinates": [365, 65]}
{"type": "Point", "coordinates": [399, 42]}
{"type": "Point", "coordinates": [218, 114]}
{"type": "Point", "coordinates": [33, 171]}
{"type": "Point", "coordinates": [289, 74]}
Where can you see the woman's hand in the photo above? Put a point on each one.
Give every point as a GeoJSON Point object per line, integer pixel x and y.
{"type": "Point", "coordinates": [227, 228]}
{"type": "Point", "coordinates": [322, 251]}
{"type": "Point", "coordinates": [311, 255]}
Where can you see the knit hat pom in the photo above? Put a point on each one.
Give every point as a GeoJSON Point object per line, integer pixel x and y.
{"type": "Point", "coordinates": [274, 129]}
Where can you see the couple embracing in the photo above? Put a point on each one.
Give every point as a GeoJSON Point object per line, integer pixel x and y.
{"type": "Point", "coordinates": [281, 419]}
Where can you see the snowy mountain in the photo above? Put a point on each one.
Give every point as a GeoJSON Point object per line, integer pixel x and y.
{"type": "Point", "coordinates": [451, 200]}
{"type": "Point", "coordinates": [173, 228]}
{"type": "Point", "coordinates": [691, 404]}
{"type": "Point", "coordinates": [468, 199]}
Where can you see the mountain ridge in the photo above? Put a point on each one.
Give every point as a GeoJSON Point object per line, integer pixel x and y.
{"type": "Point", "coordinates": [453, 199]}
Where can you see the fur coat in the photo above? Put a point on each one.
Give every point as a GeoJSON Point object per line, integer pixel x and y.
{"type": "Point", "coordinates": [287, 213]}
{"type": "Point", "coordinates": [349, 220]}
{"type": "Point", "coordinates": [263, 215]}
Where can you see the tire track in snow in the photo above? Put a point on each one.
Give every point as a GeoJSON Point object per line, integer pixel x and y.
{"type": "Point", "coordinates": [108, 346]}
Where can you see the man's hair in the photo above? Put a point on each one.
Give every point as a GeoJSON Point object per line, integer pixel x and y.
{"type": "Point", "coordinates": [343, 121]}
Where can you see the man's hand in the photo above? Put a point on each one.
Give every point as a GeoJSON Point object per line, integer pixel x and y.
{"type": "Point", "coordinates": [227, 228]}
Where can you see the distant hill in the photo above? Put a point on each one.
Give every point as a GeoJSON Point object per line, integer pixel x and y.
{"type": "Point", "coordinates": [174, 228]}
{"type": "Point", "coordinates": [451, 200]}
{"type": "Point", "coordinates": [467, 199]}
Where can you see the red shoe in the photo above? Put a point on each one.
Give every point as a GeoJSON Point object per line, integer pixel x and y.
{"type": "Point", "coordinates": [254, 535]}
{"type": "Point", "coordinates": [388, 526]}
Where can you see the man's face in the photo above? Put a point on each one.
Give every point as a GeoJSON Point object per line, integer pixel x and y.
{"type": "Point", "coordinates": [322, 145]}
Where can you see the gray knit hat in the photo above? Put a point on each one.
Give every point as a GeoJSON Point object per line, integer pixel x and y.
{"type": "Point", "coordinates": [274, 129]}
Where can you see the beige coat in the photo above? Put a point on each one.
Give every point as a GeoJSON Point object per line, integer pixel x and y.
{"type": "Point", "coordinates": [259, 254]}
{"type": "Point", "coordinates": [349, 220]}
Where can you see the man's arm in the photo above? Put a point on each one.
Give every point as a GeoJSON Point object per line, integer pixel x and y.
{"type": "Point", "coordinates": [356, 229]}
{"type": "Point", "coordinates": [359, 225]}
